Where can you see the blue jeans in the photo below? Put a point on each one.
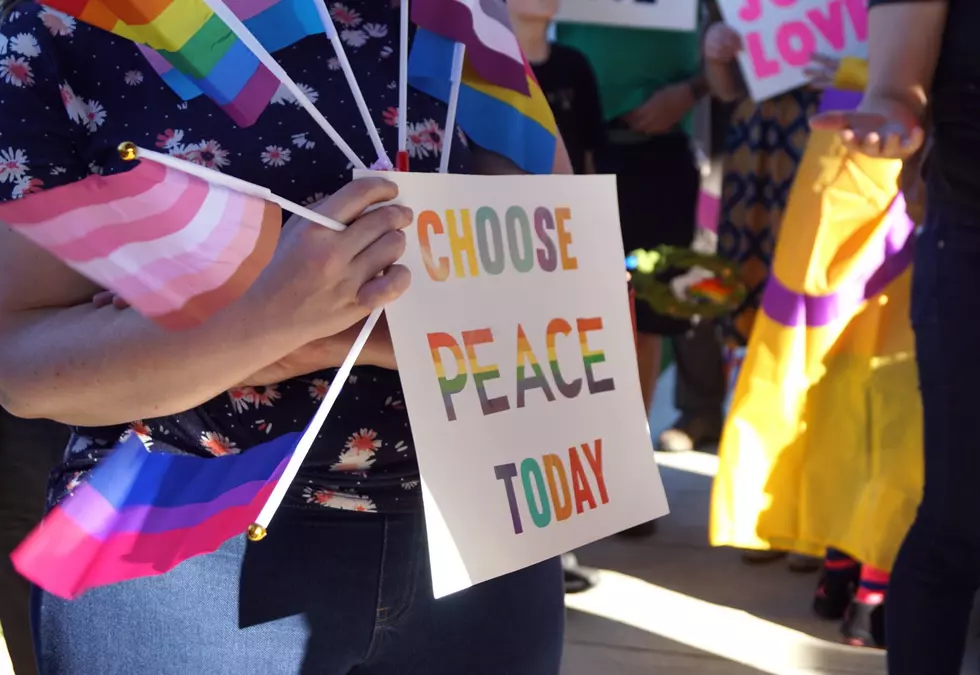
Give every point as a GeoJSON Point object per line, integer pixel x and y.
{"type": "Point", "coordinates": [324, 594]}
{"type": "Point", "coordinates": [937, 571]}
{"type": "Point", "coordinates": [29, 449]}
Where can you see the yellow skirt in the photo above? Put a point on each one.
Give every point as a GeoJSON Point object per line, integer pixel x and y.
{"type": "Point", "coordinates": [823, 447]}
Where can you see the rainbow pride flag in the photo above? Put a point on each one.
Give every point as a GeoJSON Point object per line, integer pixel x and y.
{"type": "Point", "coordinates": [140, 514]}
{"type": "Point", "coordinates": [823, 445]}
{"type": "Point", "coordinates": [517, 126]}
{"type": "Point", "coordinates": [176, 247]}
{"type": "Point", "coordinates": [196, 53]}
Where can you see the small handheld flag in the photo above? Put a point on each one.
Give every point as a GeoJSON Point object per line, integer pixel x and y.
{"type": "Point", "coordinates": [176, 240]}
{"type": "Point", "coordinates": [238, 82]}
{"type": "Point", "coordinates": [140, 514]}
{"type": "Point", "coordinates": [484, 27]}
{"type": "Point", "coordinates": [174, 246]}
{"type": "Point", "coordinates": [519, 127]}
{"type": "Point", "coordinates": [212, 49]}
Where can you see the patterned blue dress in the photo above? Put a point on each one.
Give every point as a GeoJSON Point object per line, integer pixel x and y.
{"type": "Point", "coordinates": [70, 93]}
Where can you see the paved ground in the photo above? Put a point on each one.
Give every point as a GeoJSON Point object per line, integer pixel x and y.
{"type": "Point", "coordinates": [671, 604]}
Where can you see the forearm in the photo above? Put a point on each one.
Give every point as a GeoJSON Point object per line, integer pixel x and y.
{"type": "Point", "coordinates": [903, 47]}
{"type": "Point", "coordinates": [96, 367]}
{"type": "Point", "coordinates": [687, 93]}
{"type": "Point", "coordinates": [723, 81]}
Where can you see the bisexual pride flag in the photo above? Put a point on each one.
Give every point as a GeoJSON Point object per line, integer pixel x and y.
{"type": "Point", "coordinates": [140, 514]}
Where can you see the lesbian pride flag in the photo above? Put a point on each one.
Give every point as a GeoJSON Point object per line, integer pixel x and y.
{"type": "Point", "coordinates": [140, 514]}
{"type": "Point", "coordinates": [174, 246]}
{"type": "Point", "coordinates": [196, 53]}
{"type": "Point", "coordinates": [518, 126]}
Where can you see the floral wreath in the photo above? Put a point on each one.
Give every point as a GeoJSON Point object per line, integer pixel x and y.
{"type": "Point", "coordinates": [707, 287]}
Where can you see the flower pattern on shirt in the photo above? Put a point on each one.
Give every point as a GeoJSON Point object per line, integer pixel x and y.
{"type": "Point", "coordinates": [87, 91]}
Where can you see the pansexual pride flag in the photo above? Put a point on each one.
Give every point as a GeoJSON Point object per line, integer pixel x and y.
{"type": "Point", "coordinates": [518, 126]}
{"type": "Point", "coordinates": [823, 446]}
{"type": "Point", "coordinates": [484, 27]}
{"type": "Point", "coordinates": [196, 53]}
{"type": "Point", "coordinates": [176, 247]}
{"type": "Point", "coordinates": [140, 514]}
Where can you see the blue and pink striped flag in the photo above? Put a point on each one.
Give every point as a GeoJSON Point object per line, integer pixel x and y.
{"type": "Point", "coordinates": [140, 514]}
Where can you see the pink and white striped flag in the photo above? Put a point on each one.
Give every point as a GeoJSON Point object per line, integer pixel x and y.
{"type": "Point", "coordinates": [484, 27]}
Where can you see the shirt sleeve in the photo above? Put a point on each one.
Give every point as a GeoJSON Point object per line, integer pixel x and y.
{"type": "Point", "coordinates": [38, 137]}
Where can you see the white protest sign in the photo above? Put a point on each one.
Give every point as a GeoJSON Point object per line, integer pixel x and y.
{"type": "Point", "coordinates": [780, 36]}
{"type": "Point", "coordinates": [659, 14]}
{"type": "Point", "coordinates": [516, 354]}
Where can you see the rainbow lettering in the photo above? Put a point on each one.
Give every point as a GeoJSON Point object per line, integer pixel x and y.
{"type": "Point", "coordinates": [461, 241]}
{"type": "Point", "coordinates": [481, 374]}
{"type": "Point", "coordinates": [428, 220]}
{"type": "Point", "coordinates": [525, 360]}
{"type": "Point", "coordinates": [547, 256]}
{"type": "Point", "coordinates": [555, 328]}
{"type": "Point", "coordinates": [546, 490]}
{"type": "Point", "coordinates": [488, 241]}
{"type": "Point", "coordinates": [591, 358]}
{"type": "Point", "coordinates": [536, 381]}
{"type": "Point", "coordinates": [448, 386]}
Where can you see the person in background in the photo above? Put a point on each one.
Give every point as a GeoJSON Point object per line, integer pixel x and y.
{"type": "Point", "coordinates": [924, 55]}
{"type": "Point", "coordinates": [700, 373]}
{"type": "Point", "coordinates": [565, 77]}
{"type": "Point", "coordinates": [29, 449]}
{"type": "Point", "coordinates": [699, 393]}
{"type": "Point", "coordinates": [763, 149]}
{"type": "Point", "coordinates": [649, 83]}
{"type": "Point", "coordinates": [570, 85]}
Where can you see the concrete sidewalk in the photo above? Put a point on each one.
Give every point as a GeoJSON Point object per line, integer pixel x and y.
{"type": "Point", "coordinates": [671, 604]}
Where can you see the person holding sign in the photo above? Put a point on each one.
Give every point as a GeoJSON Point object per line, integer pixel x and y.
{"type": "Point", "coordinates": [925, 54]}
{"type": "Point", "coordinates": [342, 583]}
{"type": "Point", "coordinates": [763, 148]}
{"type": "Point", "coordinates": [649, 83]}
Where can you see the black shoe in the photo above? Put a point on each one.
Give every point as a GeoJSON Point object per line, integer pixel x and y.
{"type": "Point", "coordinates": [804, 564]}
{"type": "Point", "coordinates": [864, 625]}
{"type": "Point", "coordinates": [646, 529]}
{"type": "Point", "coordinates": [835, 592]}
{"type": "Point", "coordinates": [578, 579]}
{"type": "Point", "coordinates": [763, 557]}
{"type": "Point", "coordinates": [689, 433]}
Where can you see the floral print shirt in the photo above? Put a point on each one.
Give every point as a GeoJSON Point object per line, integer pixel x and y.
{"type": "Point", "coordinates": [70, 93]}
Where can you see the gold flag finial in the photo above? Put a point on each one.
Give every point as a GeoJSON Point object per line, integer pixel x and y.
{"type": "Point", "coordinates": [127, 151]}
